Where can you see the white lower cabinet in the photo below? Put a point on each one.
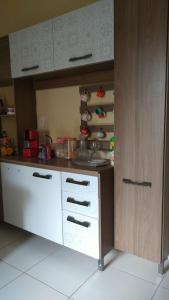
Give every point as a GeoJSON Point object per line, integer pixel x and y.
{"type": "Point", "coordinates": [16, 194]}
{"type": "Point", "coordinates": [81, 213]}
{"type": "Point", "coordinates": [83, 203]}
{"type": "Point", "coordinates": [81, 233]}
{"type": "Point", "coordinates": [32, 200]}
{"type": "Point", "coordinates": [60, 206]}
{"type": "Point", "coordinates": [45, 204]}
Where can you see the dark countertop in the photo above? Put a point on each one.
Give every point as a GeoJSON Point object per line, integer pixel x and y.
{"type": "Point", "coordinates": [55, 164]}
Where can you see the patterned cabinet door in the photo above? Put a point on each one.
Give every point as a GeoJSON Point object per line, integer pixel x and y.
{"type": "Point", "coordinates": [31, 50]}
{"type": "Point", "coordinates": [84, 36]}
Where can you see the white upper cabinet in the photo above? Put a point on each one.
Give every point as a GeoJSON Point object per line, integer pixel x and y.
{"type": "Point", "coordinates": [31, 50]}
{"type": "Point", "coordinates": [84, 36]}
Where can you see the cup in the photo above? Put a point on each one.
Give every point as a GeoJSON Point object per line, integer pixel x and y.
{"type": "Point", "coordinates": [85, 131]}
{"type": "Point", "coordinates": [100, 112]}
{"type": "Point", "coordinates": [84, 95]}
{"type": "Point", "coordinates": [101, 134]}
{"type": "Point", "coordinates": [86, 116]}
{"type": "Point", "coordinates": [10, 110]}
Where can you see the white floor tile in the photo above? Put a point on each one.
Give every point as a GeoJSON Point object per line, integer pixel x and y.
{"type": "Point", "coordinates": [9, 234]}
{"type": "Point", "coordinates": [111, 256]}
{"type": "Point", "coordinates": [27, 288]}
{"type": "Point", "coordinates": [138, 266]}
{"type": "Point", "coordinates": [7, 273]}
{"type": "Point", "coordinates": [161, 294]}
{"type": "Point", "coordinates": [165, 282]}
{"type": "Point", "coordinates": [64, 270]}
{"type": "Point", "coordinates": [114, 284]}
{"type": "Point", "coordinates": [27, 252]}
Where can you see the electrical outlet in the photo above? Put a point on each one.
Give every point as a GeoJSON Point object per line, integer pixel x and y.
{"type": "Point", "coordinates": [41, 122]}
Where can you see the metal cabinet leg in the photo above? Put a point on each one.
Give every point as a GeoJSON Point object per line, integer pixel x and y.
{"type": "Point", "coordinates": [161, 268]}
{"type": "Point", "coordinates": [101, 265]}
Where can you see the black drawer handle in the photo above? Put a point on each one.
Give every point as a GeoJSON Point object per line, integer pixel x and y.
{"type": "Point", "coordinates": [80, 57]}
{"type": "Point", "coordinates": [35, 174]}
{"type": "Point", "coordinates": [84, 203]}
{"type": "Point", "coordinates": [143, 183]}
{"type": "Point", "coordinates": [71, 180]}
{"type": "Point", "coordinates": [30, 68]}
{"type": "Point", "coordinates": [73, 220]}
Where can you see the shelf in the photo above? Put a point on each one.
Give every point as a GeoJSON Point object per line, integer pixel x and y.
{"type": "Point", "coordinates": [106, 127]}
{"type": "Point", "coordinates": [104, 145]}
{"type": "Point", "coordinates": [7, 116]}
{"type": "Point", "coordinates": [107, 107]}
{"type": "Point", "coordinates": [91, 108]}
{"type": "Point", "coordinates": [88, 74]}
{"type": "Point", "coordinates": [93, 88]}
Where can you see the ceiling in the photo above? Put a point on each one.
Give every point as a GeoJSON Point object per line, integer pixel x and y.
{"type": "Point", "coordinates": [18, 14]}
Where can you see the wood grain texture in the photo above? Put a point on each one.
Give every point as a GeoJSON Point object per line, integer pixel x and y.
{"type": "Point", "coordinates": [92, 108]}
{"type": "Point", "coordinates": [25, 103]}
{"type": "Point", "coordinates": [140, 70]}
{"type": "Point", "coordinates": [92, 74]}
{"type": "Point", "coordinates": [5, 68]}
{"type": "Point", "coordinates": [93, 88]}
{"type": "Point", "coordinates": [165, 235]}
{"type": "Point", "coordinates": [105, 127]}
{"type": "Point", "coordinates": [55, 164]}
{"type": "Point", "coordinates": [1, 201]}
{"type": "Point", "coordinates": [106, 211]}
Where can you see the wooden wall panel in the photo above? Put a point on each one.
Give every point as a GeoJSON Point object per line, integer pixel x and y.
{"type": "Point", "coordinates": [25, 103]}
{"type": "Point", "coordinates": [165, 235]}
{"type": "Point", "coordinates": [5, 69]}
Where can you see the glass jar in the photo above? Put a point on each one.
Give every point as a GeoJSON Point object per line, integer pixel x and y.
{"type": "Point", "coordinates": [70, 145]}
{"type": "Point", "coordinates": [59, 148]}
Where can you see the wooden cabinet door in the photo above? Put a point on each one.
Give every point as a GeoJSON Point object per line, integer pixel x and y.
{"type": "Point", "coordinates": [5, 68]}
{"type": "Point", "coordinates": [31, 50]}
{"type": "Point", "coordinates": [84, 36]}
{"type": "Point", "coordinates": [140, 72]}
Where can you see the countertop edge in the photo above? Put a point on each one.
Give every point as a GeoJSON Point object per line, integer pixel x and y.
{"type": "Point", "coordinates": [55, 164]}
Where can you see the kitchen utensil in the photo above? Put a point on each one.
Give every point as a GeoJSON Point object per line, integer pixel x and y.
{"type": "Point", "coordinates": [86, 116]}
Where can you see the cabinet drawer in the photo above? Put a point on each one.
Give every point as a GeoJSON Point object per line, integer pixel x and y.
{"type": "Point", "coordinates": [86, 203]}
{"type": "Point", "coordinates": [81, 233]}
{"type": "Point", "coordinates": [79, 183]}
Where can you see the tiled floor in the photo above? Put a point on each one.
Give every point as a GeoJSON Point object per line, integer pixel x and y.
{"type": "Point", "coordinates": [33, 268]}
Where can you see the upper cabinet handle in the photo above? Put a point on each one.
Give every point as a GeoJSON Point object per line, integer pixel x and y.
{"type": "Point", "coordinates": [81, 57]}
{"type": "Point", "coordinates": [36, 174]}
{"type": "Point", "coordinates": [30, 68]}
{"type": "Point", "coordinates": [141, 183]}
{"type": "Point", "coordinates": [71, 180]}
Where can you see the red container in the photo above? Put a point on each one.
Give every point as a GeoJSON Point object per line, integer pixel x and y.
{"type": "Point", "coordinates": [30, 135]}
{"type": "Point", "coordinates": [30, 152]}
{"type": "Point", "coordinates": [31, 144]}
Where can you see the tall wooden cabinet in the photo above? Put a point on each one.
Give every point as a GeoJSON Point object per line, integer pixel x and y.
{"type": "Point", "coordinates": [141, 121]}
